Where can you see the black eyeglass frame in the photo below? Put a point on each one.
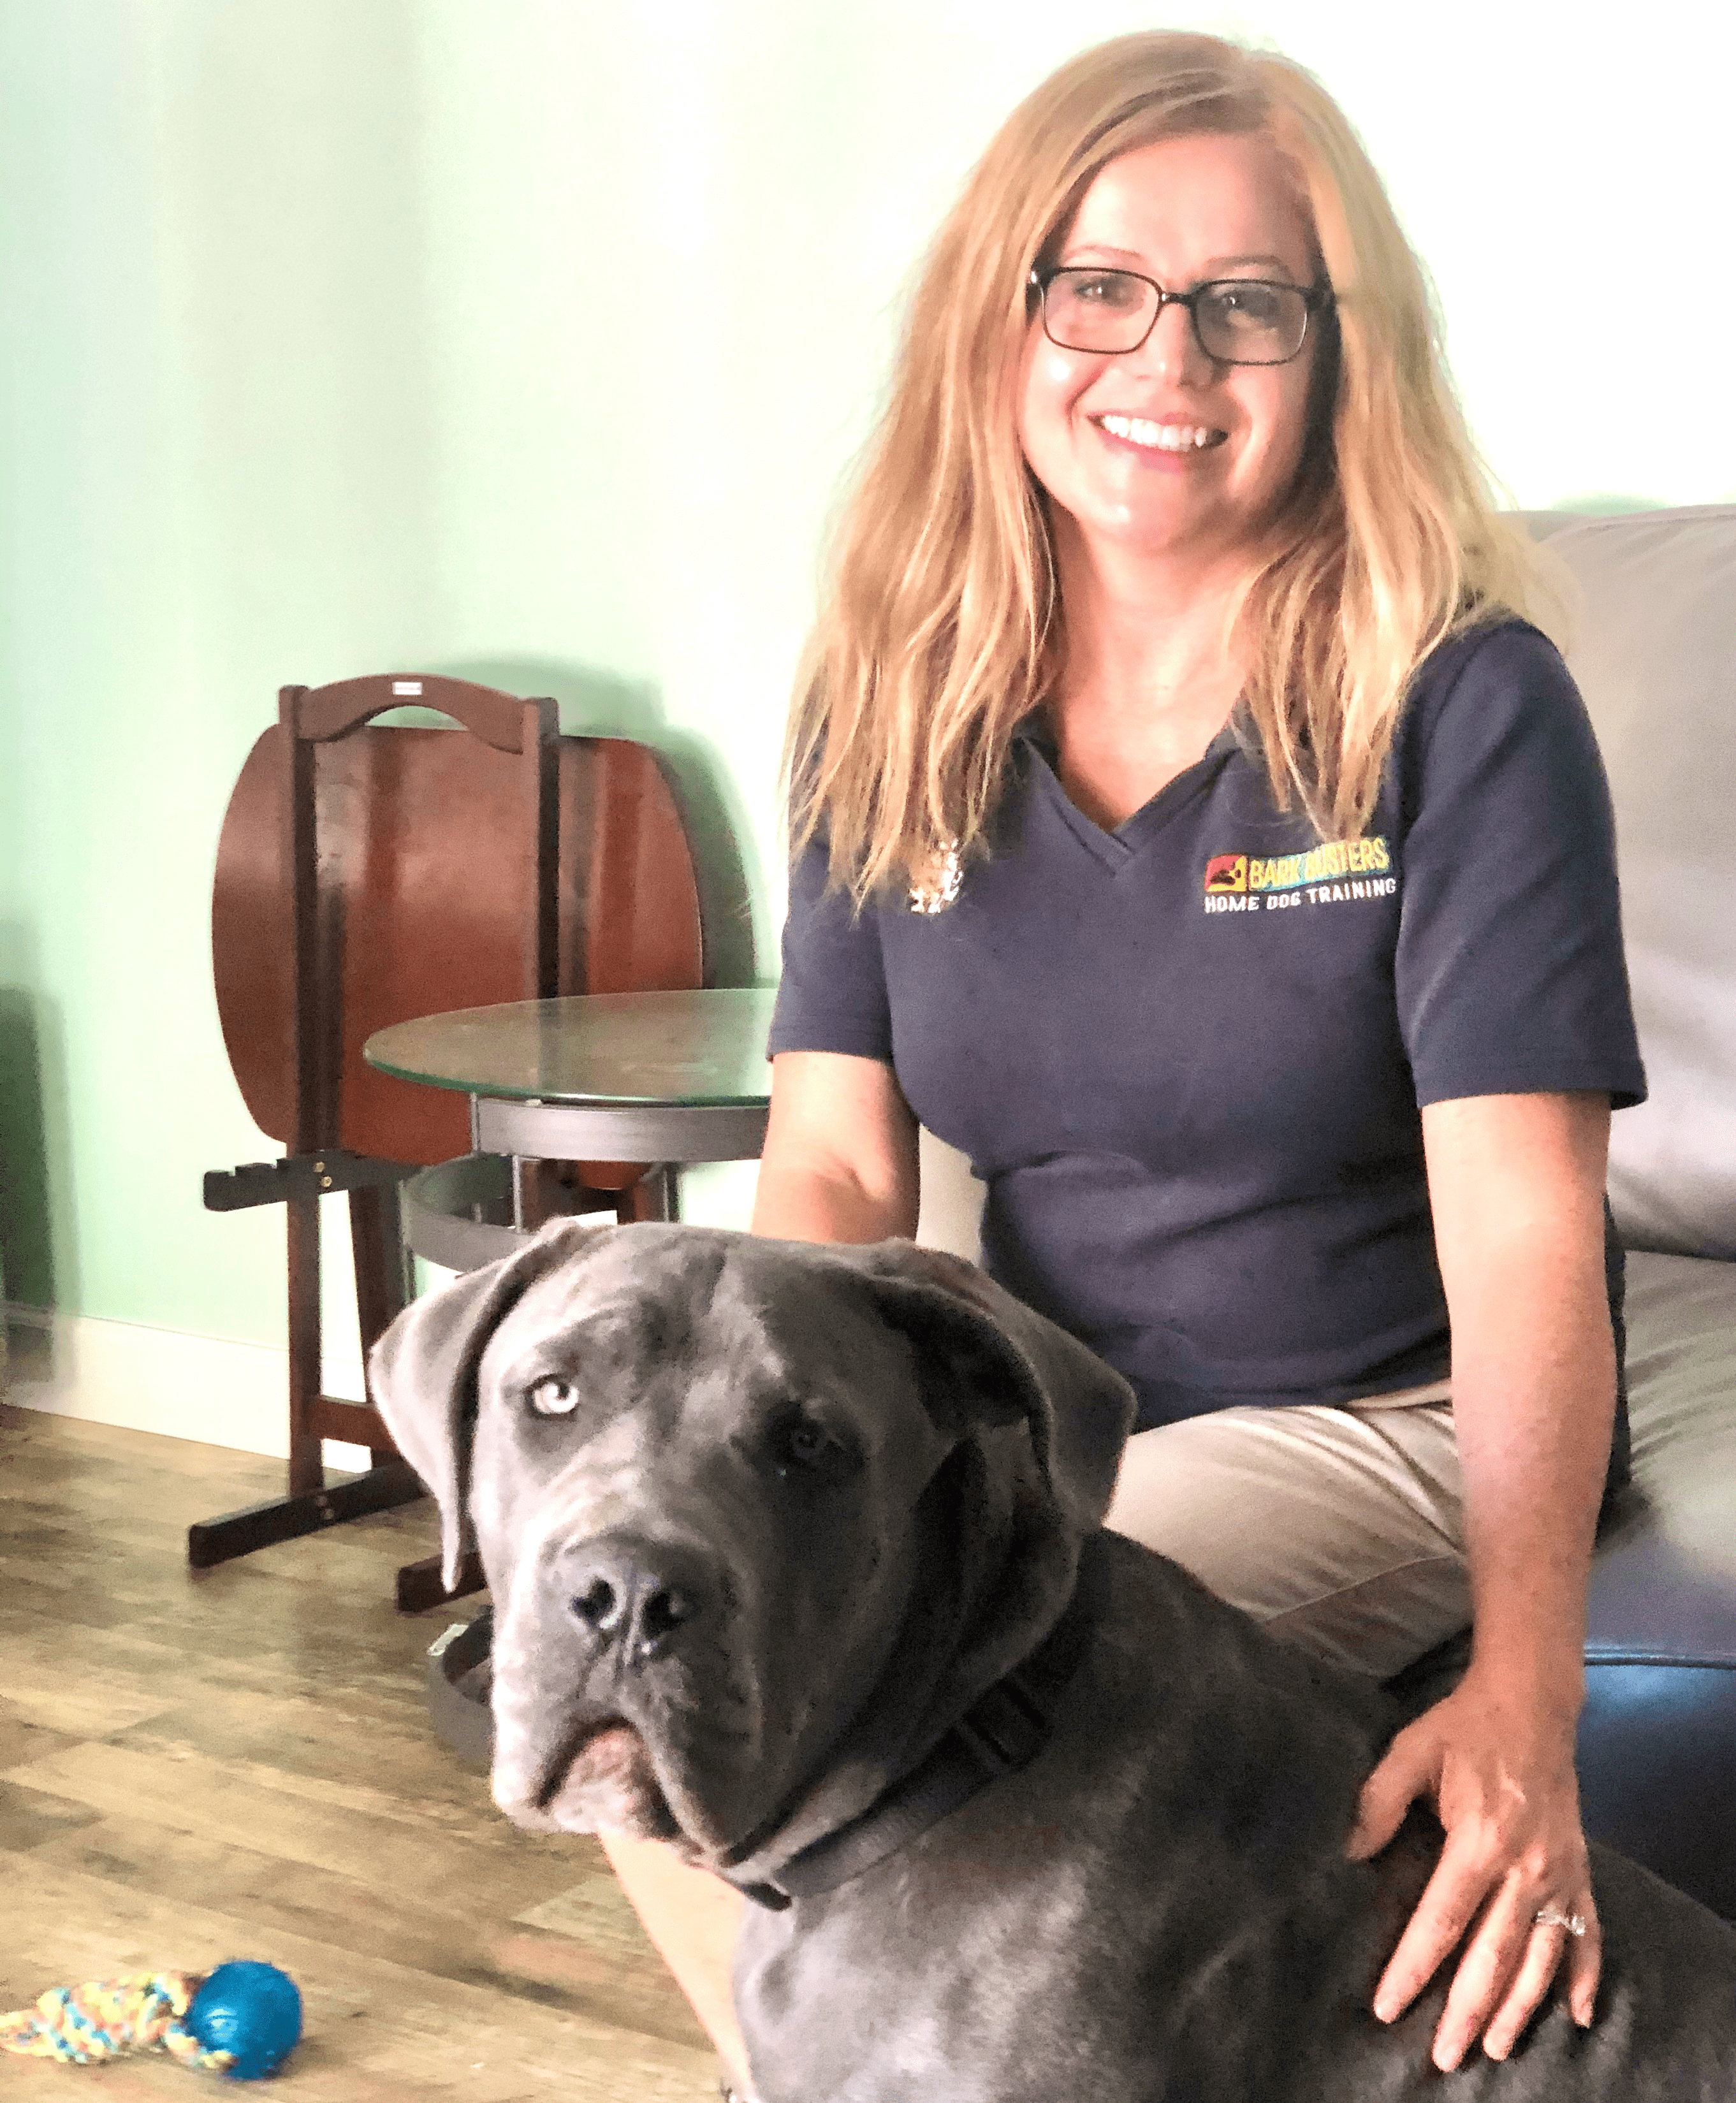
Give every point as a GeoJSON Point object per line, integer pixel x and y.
{"type": "Point", "coordinates": [1315, 298]}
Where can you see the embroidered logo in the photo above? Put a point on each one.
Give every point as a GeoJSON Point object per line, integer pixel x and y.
{"type": "Point", "coordinates": [1332, 873]}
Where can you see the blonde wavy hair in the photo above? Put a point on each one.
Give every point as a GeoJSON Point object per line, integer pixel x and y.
{"type": "Point", "coordinates": [940, 626]}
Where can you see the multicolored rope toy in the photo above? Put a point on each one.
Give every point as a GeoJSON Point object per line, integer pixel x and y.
{"type": "Point", "coordinates": [241, 2020]}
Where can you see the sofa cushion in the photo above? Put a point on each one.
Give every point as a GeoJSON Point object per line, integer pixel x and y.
{"type": "Point", "coordinates": [1657, 1735]}
{"type": "Point", "coordinates": [1663, 1586]}
{"type": "Point", "coordinates": [1648, 626]}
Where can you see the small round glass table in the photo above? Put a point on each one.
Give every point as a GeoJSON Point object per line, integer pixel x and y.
{"type": "Point", "coordinates": [661, 1078]}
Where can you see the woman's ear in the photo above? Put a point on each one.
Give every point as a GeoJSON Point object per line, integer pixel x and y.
{"type": "Point", "coordinates": [422, 1373]}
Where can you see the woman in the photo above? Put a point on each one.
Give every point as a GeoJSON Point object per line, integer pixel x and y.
{"type": "Point", "coordinates": [1188, 829]}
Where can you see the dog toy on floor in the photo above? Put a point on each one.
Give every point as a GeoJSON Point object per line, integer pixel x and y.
{"type": "Point", "coordinates": [241, 2020]}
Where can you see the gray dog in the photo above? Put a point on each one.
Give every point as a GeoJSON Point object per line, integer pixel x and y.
{"type": "Point", "coordinates": [797, 1563]}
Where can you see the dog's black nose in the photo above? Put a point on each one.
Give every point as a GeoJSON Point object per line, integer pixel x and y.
{"type": "Point", "coordinates": [625, 1599]}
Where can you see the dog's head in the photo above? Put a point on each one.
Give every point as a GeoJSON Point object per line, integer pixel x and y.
{"type": "Point", "coordinates": [760, 1518]}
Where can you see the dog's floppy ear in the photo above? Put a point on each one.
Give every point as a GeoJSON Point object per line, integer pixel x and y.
{"type": "Point", "coordinates": [1004, 1363]}
{"type": "Point", "coordinates": [422, 1373]}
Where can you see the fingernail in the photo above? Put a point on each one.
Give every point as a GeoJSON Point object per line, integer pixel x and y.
{"type": "Point", "coordinates": [1385, 2009]}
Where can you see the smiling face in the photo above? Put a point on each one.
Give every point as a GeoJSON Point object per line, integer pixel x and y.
{"type": "Point", "coordinates": [1164, 450]}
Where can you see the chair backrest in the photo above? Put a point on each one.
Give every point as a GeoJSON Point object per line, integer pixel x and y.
{"type": "Point", "coordinates": [1649, 631]}
{"type": "Point", "coordinates": [448, 871]}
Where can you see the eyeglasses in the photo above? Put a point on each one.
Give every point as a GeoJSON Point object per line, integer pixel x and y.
{"type": "Point", "coordinates": [1238, 321]}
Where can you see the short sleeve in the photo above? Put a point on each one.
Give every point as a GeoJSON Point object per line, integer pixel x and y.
{"type": "Point", "coordinates": [1510, 974]}
{"type": "Point", "coordinates": [832, 996]}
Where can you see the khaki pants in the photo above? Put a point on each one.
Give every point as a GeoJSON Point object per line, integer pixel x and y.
{"type": "Point", "coordinates": [1341, 1528]}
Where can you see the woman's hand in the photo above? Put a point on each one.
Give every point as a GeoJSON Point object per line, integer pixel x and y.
{"type": "Point", "coordinates": [1500, 1772]}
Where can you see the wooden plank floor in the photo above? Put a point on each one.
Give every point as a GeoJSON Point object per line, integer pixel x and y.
{"type": "Point", "coordinates": [238, 1762]}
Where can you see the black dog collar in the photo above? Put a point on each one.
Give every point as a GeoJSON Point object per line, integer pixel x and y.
{"type": "Point", "coordinates": [1003, 1730]}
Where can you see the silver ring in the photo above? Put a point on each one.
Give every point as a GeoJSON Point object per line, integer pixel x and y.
{"type": "Point", "coordinates": [1553, 1917]}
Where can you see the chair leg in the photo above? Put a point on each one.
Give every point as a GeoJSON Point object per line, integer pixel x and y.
{"type": "Point", "coordinates": [310, 1506]}
{"type": "Point", "coordinates": [383, 1290]}
{"type": "Point", "coordinates": [307, 1470]}
{"type": "Point", "coordinates": [382, 1273]}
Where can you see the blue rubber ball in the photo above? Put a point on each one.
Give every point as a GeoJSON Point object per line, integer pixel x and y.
{"type": "Point", "coordinates": [251, 2010]}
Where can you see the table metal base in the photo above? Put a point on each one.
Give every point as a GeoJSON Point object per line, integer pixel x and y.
{"type": "Point", "coordinates": [477, 1210]}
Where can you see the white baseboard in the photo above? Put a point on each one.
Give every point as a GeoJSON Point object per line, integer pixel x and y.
{"type": "Point", "coordinates": [206, 1388]}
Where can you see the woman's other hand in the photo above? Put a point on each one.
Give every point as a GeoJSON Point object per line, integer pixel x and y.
{"type": "Point", "coordinates": [1499, 1770]}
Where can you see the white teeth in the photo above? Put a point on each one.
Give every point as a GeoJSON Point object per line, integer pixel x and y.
{"type": "Point", "coordinates": [1166, 438]}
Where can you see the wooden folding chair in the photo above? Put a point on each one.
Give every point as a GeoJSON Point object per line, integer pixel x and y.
{"type": "Point", "coordinates": [367, 874]}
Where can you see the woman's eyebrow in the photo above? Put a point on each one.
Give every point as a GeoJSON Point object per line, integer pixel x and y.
{"type": "Point", "coordinates": [1238, 262]}
{"type": "Point", "coordinates": [1215, 268]}
{"type": "Point", "coordinates": [1102, 248]}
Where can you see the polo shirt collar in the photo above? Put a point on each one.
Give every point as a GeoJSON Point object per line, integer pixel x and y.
{"type": "Point", "coordinates": [1118, 847]}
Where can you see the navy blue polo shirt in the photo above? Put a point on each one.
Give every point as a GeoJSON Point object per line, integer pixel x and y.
{"type": "Point", "coordinates": [1187, 1057]}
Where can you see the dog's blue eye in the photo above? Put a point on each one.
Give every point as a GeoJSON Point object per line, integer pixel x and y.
{"type": "Point", "coordinates": [553, 1396]}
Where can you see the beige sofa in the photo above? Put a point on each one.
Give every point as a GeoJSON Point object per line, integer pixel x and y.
{"type": "Point", "coordinates": [1650, 631]}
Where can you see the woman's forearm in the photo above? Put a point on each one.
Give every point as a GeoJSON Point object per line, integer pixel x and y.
{"type": "Point", "coordinates": [1533, 1412]}
{"type": "Point", "coordinates": [1516, 1186]}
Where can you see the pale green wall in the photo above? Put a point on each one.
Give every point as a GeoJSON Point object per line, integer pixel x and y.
{"type": "Point", "coordinates": [313, 361]}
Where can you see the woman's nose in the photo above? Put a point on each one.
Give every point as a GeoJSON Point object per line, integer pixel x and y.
{"type": "Point", "coordinates": [1171, 351]}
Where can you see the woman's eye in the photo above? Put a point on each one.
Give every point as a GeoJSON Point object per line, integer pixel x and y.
{"type": "Point", "coordinates": [1110, 289]}
{"type": "Point", "coordinates": [1247, 306]}
{"type": "Point", "coordinates": [553, 1396]}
